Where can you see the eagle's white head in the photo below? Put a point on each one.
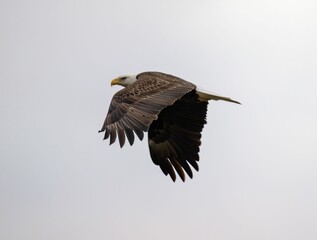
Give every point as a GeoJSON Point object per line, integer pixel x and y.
{"type": "Point", "coordinates": [124, 80]}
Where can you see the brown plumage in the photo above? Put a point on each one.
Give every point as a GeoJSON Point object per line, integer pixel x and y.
{"type": "Point", "coordinates": [172, 111]}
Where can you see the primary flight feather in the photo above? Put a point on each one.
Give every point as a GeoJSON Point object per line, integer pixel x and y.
{"type": "Point", "coordinates": [172, 111]}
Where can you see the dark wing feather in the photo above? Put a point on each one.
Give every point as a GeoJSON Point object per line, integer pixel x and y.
{"type": "Point", "coordinates": [135, 107]}
{"type": "Point", "coordinates": [174, 138]}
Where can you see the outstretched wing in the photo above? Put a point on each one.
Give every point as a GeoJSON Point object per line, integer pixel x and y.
{"type": "Point", "coordinates": [134, 108]}
{"type": "Point", "coordinates": [174, 138]}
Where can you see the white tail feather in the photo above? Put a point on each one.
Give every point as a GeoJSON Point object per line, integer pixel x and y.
{"type": "Point", "coordinates": [205, 95]}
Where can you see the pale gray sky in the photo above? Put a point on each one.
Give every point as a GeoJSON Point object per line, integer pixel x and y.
{"type": "Point", "coordinates": [257, 178]}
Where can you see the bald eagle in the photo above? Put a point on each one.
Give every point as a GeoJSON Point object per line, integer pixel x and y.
{"type": "Point", "coordinates": [172, 111]}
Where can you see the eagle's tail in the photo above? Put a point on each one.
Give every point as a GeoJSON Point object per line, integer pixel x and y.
{"type": "Point", "coordinates": [206, 96]}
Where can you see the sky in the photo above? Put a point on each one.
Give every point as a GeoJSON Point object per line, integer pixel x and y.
{"type": "Point", "coordinates": [258, 161]}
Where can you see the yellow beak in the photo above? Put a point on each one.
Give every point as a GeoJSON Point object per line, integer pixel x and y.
{"type": "Point", "coordinates": [115, 81]}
